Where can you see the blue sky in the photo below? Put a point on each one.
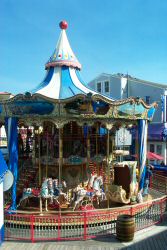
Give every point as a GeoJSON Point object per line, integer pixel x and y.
{"type": "Point", "coordinates": [108, 36]}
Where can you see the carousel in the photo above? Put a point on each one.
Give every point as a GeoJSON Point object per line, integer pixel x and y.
{"type": "Point", "coordinates": [63, 144]}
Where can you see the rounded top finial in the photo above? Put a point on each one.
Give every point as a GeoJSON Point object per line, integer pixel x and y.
{"type": "Point", "coordinates": [63, 25]}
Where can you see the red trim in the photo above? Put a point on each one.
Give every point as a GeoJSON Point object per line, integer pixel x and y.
{"type": "Point", "coordinates": [85, 223]}
{"type": "Point", "coordinates": [59, 227]}
{"type": "Point", "coordinates": [63, 63]}
{"type": "Point", "coordinates": [32, 228]}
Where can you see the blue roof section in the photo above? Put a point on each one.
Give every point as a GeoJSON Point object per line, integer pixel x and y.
{"type": "Point", "coordinates": [81, 80]}
{"type": "Point", "coordinates": [46, 80]}
{"type": "Point", "coordinates": [62, 83]}
{"type": "Point", "coordinates": [67, 89]}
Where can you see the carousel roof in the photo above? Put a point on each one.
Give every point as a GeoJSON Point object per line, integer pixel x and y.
{"type": "Point", "coordinates": [62, 79]}
{"type": "Point", "coordinates": [62, 96]}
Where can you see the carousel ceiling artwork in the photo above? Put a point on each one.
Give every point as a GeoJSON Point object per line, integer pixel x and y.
{"type": "Point", "coordinates": [63, 94]}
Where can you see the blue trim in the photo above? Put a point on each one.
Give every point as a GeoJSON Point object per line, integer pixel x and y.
{"type": "Point", "coordinates": [45, 82]}
{"type": "Point", "coordinates": [142, 179]}
{"type": "Point", "coordinates": [102, 131]}
{"type": "Point", "coordinates": [1, 108]}
{"type": "Point", "coordinates": [80, 79]}
{"type": "Point", "coordinates": [86, 130]}
{"type": "Point", "coordinates": [27, 107]}
{"type": "Point", "coordinates": [3, 166]}
{"type": "Point", "coordinates": [13, 153]}
{"type": "Point", "coordinates": [67, 88]}
{"type": "Point", "coordinates": [2, 234]}
{"type": "Point", "coordinates": [142, 147]}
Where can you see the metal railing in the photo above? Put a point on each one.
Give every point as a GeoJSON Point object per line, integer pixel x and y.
{"type": "Point", "coordinates": [159, 182]}
{"type": "Point", "coordinates": [80, 225]}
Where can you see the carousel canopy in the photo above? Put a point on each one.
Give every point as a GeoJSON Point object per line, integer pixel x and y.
{"type": "Point", "coordinates": [62, 96]}
{"type": "Point", "coordinates": [62, 79]}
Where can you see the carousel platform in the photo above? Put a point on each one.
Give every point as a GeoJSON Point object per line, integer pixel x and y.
{"type": "Point", "coordinates": [30, 225]}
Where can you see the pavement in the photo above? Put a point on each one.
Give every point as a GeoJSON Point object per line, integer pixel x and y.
{"type": "Point", "coordinates": [152, 238]}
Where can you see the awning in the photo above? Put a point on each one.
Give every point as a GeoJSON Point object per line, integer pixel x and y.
{"type": "Point", "coordinates": [151, 156]}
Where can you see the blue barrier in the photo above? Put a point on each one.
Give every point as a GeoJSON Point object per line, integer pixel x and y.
{"type": "Point", "coordinates": [160, 167]}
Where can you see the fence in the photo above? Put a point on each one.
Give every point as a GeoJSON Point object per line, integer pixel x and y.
{"type": "Point", "coordinates": [159, 182]}
{"type": "Point", "coordinates": [80, 225]}
{"type": "Point", "coordinates": [84, 225]}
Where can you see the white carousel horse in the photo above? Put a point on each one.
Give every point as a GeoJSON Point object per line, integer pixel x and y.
{"type": "Point", "coordinates": [91, 181]}
{"type": "Point", "coordinates": [49, 190]}
{"type": "Point", "coordinates": [98, 191]}
{"type": "Point", "coordinates": [80, 193]}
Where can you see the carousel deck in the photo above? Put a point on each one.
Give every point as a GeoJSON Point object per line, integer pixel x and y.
{"type": "Point", "coordinates": [34, 210]}
{"type": "Point", "coordinates": [28, 224]}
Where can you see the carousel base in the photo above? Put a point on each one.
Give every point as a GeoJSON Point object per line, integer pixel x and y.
{"type": "Point", "coordinates": [29, 224]}
{"type": "Point", "coordinates": [33, 209]}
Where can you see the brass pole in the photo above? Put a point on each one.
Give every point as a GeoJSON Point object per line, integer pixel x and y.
{"type": "Point", "coordinates": [34, 147]}
{"type": "Point", "coordinates": [97, 164]}
{"type": "Point", "coordinates": [108, 167]}
{"type": "Point", "coordinates": [137, 152]}
{"type": "Point", "coordinates": [96, 138]}
{"type": "Point", "coordinates": [82, 175]}
{"type": "Point", "coordinates": [88, 146]}
{"type": "Point", "coordinates": [47, 152]}
{"type": "Point", "coordinates": [60, 154]}
{"type": "Point", "coordinates": [39, 156]}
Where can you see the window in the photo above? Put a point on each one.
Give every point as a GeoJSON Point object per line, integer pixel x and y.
{"type": "Point", "coordinates": [159, 149]}
{"type": "Point", "coordinates": [152, 149]}
{"type": "Point", "coordinates": [99, 87]}
{"type": "Point", "coordinates": [106, 86]}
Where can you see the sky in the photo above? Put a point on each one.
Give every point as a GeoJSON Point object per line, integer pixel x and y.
{"type": "Point", "coordinates": [109, 36]}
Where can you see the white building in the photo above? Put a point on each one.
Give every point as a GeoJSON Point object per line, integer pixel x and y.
{"type": "Point", "coordinates": [4, 96]}
{"type": "Point", "coordinates": [120, 86]}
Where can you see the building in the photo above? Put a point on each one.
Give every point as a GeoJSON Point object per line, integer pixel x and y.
{"type": "Point", "coordinates": [3, 141]}
{"type": "Point", "coordinates": [5, 96]}
{"type": "Point", "coordinates": [121, 86]}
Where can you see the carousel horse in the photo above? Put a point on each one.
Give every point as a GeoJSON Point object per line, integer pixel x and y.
{"type": "Point", "coordinates": [91, 180]}
{"type": "Point", "coordinates": [29, 193]}
{"type": "Point", "coordinates": [99, 194]}
{"type": "Point", "coordinates": [96, 192]}
{"type": "Point", "coordinates": [49, 190]}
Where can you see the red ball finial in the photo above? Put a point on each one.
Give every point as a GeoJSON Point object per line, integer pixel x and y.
{"type": "Point", "coordinates": [63, 25]}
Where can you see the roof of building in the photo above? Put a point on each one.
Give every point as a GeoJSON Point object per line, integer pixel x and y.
{"type": "Point", "coordinates": [5, 93]}
{"type": "Point", "coordinates": [131, 78]}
